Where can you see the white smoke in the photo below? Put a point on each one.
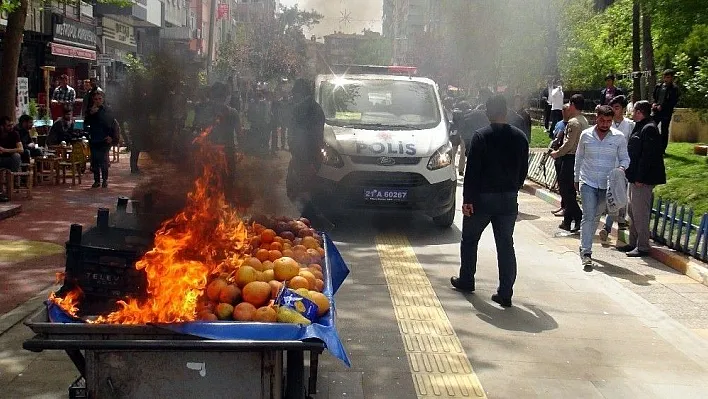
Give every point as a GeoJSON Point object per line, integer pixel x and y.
{"type": "Point", "coordinates": [348, 16]}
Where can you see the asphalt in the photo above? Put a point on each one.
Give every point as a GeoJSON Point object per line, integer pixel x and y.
{"type": "Point", "coordinates": [633, 328]}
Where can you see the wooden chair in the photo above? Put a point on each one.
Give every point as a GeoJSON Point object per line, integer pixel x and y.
{"type": "Point", "coordinates": [46, 169]}
{"type": "Point", "coordinates": [68, 169]}
{"type": "Point", "coordinates": [16, 183]}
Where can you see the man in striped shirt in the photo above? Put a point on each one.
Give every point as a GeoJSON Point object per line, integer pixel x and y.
{"type": "Point", "coordinates": [600, 150]}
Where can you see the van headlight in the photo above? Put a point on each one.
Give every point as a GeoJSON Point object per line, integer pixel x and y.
{"type": "Point", "coordinates": [442, 158]}
{"type": "Point", "coordinates": [331, 157]}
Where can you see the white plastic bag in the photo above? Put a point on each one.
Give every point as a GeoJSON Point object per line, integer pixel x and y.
{"type": "Point", "coordinates": [616, 191]}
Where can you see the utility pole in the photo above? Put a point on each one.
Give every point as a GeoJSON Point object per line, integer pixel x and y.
{"type": "Point", "coordinates": [636, 52]}
{"type": "Point", "coordinates": [210, 52]}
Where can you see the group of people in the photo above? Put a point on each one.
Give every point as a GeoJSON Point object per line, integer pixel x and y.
{"type": "Point", "coordinates": [100, 127]}
{"type": "Point", "coordinates": [616, 157]}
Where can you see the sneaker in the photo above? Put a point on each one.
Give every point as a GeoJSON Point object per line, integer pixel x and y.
{"type": "Point", "coordinates": [587, 263]}
{"type": "Point", "coordinates": [105, 184]}
{"type": "Point", "coordinates": [503, 302]}
{"type": "Point", "coordinates": [96, 184]}
{"type": "Point", "coordinates": [636, 253]}
{"type": "Point", "coordinates": [604, 235]}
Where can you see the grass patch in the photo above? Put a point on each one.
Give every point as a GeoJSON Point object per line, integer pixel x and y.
{"type": "Point", "coordinates": [539, 138]}
{"type": "Point", "coordinates": [686, 176]}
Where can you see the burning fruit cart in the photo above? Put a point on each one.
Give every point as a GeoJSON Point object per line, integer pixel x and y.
{"type": "Point", "coordinates": [177, 360]}
{"type": "Point", "coordinates": [137, 312]}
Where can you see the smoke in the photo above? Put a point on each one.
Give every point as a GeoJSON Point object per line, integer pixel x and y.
{"type": "Point", "coordinates": [348, 16]}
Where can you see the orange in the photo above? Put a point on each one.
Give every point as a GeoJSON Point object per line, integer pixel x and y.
{"type": "Point", "coordinates": [321, 301]}
{"type": "Point", "coordinates": [230, 294]}
{"type": "Point", "coordinates": [285, 269]}
{"type": "Point", "coordinates": [267, 265]}
{"type": "Point", "coordinates": [314, 254]}
{"type": "Point", "coordinates": [244, 311]}
{"type": "Point", "coordinates": [207, 315]}
{"type": "Point", "coordinates": [298, 282]}
{"type": "Point", "coordinates": [245, 275]}
{"type": "Point", "coordinates": [258, 228]}
{"type": "Point", "coordinates": [266, 314]}
{"type": "Point", "coordinates": [310, 242]}
{"type": "Point", "coordinates": [256, 293]}
{"type": "Point", "coordinates": [276, 246]}
{"type": "Point", "coordinates": [315, 266]}
{"type": "Point", "coordinates": [321, 251]}
{"type": "Point", "coordinates": [288, 252]}
{"type": "Point", "coordinates": [302, 257]}
{"type": "Point", "coordinates": [256, 242]}
{"type": "Point", "coordinates": [319, 285]}
{"type": "Point", "coordinates": [299, 247]}
{"type": "Point", "coordinates": [268, 236]}
{"type": "Point", "coordinates": [263, 255]}
{"type": "Point", "coordinates": [214, 289]}
{"type": "Point", "coordinates": [275, 287]}
{"type": "Point", "coordinates": [267, 275]}
{"type": "Point", "coordinates": [254, 263]}
{"type": "Point", "coordinates": [309, 276]}
{"type": "Point", "coordinates": [274, 255]}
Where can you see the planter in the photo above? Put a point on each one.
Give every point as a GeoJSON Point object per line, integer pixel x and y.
{"type": "Point", "coordinates": [689, 126]}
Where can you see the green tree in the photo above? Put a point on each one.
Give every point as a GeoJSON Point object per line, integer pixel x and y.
{"type": "Point", "coordinates": [12, 45]}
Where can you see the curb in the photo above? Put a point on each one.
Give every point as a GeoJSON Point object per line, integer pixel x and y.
{"type": "Point", "coordinates": [9, 210]}
{"type": "Point", "coordinates": [21, 312]}
{"type": "Point", "coordinates": [675, 260]}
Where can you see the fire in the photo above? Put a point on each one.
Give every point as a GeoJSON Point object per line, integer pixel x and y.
{"type": "Point", "coordinates": [207, 237]}
{"type": "Point", "coordinates": [70, 301]}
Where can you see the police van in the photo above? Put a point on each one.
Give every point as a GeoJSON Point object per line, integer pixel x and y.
{"type": "Point", "coordinates": [387, 144]}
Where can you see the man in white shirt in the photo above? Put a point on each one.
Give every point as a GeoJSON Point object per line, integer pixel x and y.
{"type": "Point", "coordinates": [601, 149]}
{"type": "Point", "coordinates": [624, 125]}
{"type": "Point", "coordinates": [555, 98]}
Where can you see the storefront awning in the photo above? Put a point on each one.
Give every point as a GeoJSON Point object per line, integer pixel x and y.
{"type": "Point", "coordinates": [73, 52]}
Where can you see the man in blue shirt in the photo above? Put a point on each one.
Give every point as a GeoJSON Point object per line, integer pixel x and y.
{"type": "Point", "coordinates": [600, 150]}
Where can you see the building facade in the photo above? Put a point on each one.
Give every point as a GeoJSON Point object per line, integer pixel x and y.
{"type": "Point", "coordinates": [404, 23]}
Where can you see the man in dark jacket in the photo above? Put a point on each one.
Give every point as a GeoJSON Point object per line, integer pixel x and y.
{"type": "Point", "coordinates": [666, 96]}
{"type": "Point", "coordinates": [23, 127]}
{"type": "Point", "coordinates": [91, 87]}
{"type": "Point", "coordinates": [610, 91]}
{"type": "Point", "coordinates": [497, 165]}
{"type": "Point", "coordinates": [102, 131]}
{"type": "Point", "coordinates": [646, 170]}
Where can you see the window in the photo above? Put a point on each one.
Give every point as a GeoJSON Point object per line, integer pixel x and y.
{"type": "Point", "coordinates": [379, 104]}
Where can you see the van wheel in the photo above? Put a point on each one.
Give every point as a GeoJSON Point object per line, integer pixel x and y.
{"type": "Point", "coordinates": [446, 219]}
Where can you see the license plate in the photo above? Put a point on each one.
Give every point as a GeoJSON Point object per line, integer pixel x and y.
{"type": "Point", "coordinates": [385, 195]}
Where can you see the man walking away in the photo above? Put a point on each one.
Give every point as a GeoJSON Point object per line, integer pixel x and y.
{"type": "Point", "coordinates": [646, 170]}
{"type": "Point", "coordinates": [625, 126]}
{"type": "Point", "coordinates": [601, 149]}
{"type": "Point", "coordinates": [460, 112]}
{"type": "Point", "coordinates": [610, 91]}
{"type": "Point", "coordinates": [555, 97]}
{"type": "Point", "coordinates": [101, 128]}
{"type": "Point", "coordinates": [520, 118]}
{"type": "Point", "coordinates": [577, 123]}
{"type": "Point", "coordinates": [666, 96]}
{"type": "Point", "coordinates": [497, 165]}
{"type": "Point", "coordinates": [558, 137]}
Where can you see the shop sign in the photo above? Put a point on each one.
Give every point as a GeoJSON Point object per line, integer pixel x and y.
{"type": "Point", "coordinates": [118, 32]}
{"type": "Point", "coordinates": [73, 52]}
{"type": "Point", "coordinates": [22, 107]}
{"type": "Point", "coordinates": [74, 32]}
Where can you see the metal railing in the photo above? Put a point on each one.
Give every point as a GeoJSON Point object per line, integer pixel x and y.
{"type": "Point", "coordinates": [671, 223]}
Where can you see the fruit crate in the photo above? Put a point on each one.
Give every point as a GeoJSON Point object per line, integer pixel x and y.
{"type": "Point", "coordinates": [101, 262]}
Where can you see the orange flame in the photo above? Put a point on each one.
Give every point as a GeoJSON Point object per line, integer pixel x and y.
{"type": "Point", "coordinates": [70, 301]}
{"type": "Point", "coordinates": [206, 238]}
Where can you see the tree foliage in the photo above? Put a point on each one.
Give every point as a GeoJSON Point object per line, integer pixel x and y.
{"type": "Point", "coordinates": [269, 48]}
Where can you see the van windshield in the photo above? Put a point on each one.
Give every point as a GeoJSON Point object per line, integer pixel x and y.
{"type": "Point", "coordinates": [379, 104]}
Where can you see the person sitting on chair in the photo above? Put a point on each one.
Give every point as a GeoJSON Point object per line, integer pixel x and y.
{"type": "Point", "coordinates": [62, 129]}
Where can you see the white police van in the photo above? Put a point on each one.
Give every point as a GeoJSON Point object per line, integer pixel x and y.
{"type": "Point", "coordinates": [387, 144]}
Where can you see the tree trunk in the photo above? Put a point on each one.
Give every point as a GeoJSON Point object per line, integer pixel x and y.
{"type": "Point", "coordinates": [648, 49]}
{"type": "Point", "coordinates": [11, 47]}
{"type": "Point", "coordinates": [636, 51]}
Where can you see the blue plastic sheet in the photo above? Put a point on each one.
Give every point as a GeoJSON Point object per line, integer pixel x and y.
{"type": "Point", "coordinates": [335, 271]}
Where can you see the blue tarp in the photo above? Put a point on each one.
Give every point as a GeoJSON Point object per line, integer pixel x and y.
{"type": "Point", "coordinates": [335, 271]}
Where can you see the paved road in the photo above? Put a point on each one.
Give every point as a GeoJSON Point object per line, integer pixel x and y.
{"type": "Point", "coordinates": [632, 328]}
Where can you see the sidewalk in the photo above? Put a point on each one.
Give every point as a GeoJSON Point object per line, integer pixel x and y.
{"type": "Point", "coordinates": [32, 242]}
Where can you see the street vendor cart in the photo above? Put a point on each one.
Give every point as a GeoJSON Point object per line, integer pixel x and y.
{"type": "Point", "coordinates": [222, 359]}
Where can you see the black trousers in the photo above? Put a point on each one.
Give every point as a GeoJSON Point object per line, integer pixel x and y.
{"type": "Point", "coordinates": [547, 115]}
{"type": "Point", "coordinates": [556, 116]}
{"type": "Point", "coordinates": [501, 210]}
{"type": "Point", "coordinates": [558, 163]}
{"type": "Point", "coordinates": [663, 121]}
{"type": "Point", "coordinates": [99, 160]}
{"type": "Point", "coordinates": [568, 194]}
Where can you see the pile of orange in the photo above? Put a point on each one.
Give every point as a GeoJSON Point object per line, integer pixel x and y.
{"type": "Point", "coordinates": [293, 255]}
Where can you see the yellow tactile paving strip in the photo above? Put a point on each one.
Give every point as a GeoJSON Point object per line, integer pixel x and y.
{"type": "Point", "coordinates": [437, 361]}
